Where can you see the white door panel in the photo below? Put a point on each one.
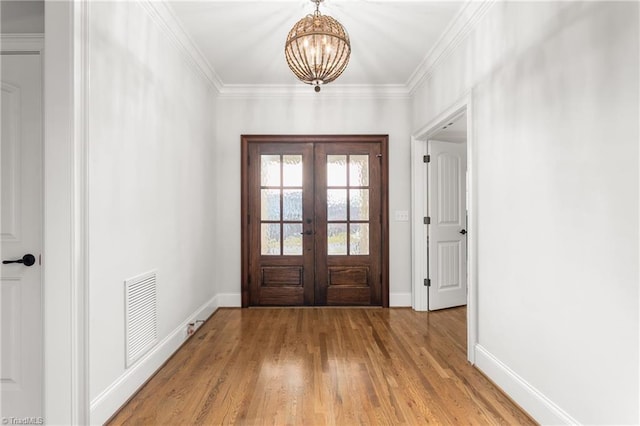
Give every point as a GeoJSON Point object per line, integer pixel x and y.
{"type": "Point", "coordinates": [447, 212]}
{"type": "Point", "coordinates": [21, 233]}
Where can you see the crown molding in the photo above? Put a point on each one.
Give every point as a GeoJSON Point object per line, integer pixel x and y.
{"type": "Point", "coordinates": [257, 91]}
{"type": "Point", "coordinates": [457, 31]}
{"type": "Point", "coordinates": [163, 14]}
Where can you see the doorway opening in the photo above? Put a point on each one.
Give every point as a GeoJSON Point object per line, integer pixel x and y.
{"type": "Point", "coordinates": [444, 238]}
{"type": "Point", "coordinates": [314, 220]}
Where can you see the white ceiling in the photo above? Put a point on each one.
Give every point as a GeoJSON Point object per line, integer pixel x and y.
{"type": "Point", "coordinates": [243, 41]}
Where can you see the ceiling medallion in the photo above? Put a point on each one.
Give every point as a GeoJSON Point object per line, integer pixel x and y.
{"type": "Point", "coordinates": [317, 48]}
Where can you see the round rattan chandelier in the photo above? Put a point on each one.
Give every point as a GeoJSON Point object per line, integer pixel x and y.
{"type": "Point", "coordinates": [317, 48]}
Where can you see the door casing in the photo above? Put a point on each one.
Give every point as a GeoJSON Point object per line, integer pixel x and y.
{"type": "Point", "coordinates": [245, 243]}
{"type": "Point", "coordinates": [419, 210]}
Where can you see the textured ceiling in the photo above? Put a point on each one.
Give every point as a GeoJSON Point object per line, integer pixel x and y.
{"type": "Point", "coordinates": [243, 41]}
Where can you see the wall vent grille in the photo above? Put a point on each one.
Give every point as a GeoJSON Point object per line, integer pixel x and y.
{"type": "Point", "coordinates": [141, 319]}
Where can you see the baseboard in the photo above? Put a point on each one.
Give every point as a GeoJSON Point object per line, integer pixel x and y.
{"type": "Point", "coordinates": [228, 300]}
{"type": "Point", "coordinates": [113, 397]}
{"type": "Point", "coordinates": [397, 300]}
{"type": "Point", "coordinates": [541, 408]}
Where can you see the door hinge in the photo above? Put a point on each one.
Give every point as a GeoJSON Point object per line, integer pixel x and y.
{"type": "Point", "coordinates": [427, 282]}
{"type": "Point", "coordinates": [426, 158]}
{"type": "Point", "coordinates": [426, 220]}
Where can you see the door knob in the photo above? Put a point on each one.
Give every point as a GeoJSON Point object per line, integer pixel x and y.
{"type": "Point", "coordinates": [27, 260]}
{"type": "Point", "coordinates": [463, 232]}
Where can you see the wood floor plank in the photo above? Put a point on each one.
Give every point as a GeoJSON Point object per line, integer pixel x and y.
{"type": "Point", "coordinates": [323, 366]}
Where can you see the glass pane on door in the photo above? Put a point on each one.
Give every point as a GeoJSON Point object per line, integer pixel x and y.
{"type": "Point", "coordinates": [281, 205]}
{"type": "Point", "coordinates": [348, 205]}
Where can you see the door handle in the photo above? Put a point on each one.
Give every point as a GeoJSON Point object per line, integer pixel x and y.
{"type": "Point", "coordinates": [463, 232]}
{"type": "Point", "coordinates": [27, 260]}
{"type": "Point", "coordinates": [306, 232]}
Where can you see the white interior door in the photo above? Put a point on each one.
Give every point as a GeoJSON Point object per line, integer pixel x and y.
{"type": "Point", "coordinates": [21, 229]}
{"type": "Point", "coordinates": [446, 205]}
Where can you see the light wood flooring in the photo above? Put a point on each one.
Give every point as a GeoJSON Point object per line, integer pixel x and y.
{"type": "Point", "coordinates": [323, 366]}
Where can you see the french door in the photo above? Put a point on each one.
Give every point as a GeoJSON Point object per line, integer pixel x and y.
{"type": "Point", "coordinates": [314, 212]}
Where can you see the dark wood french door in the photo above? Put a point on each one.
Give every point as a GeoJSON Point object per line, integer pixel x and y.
{"type": "Point", "coordinates": [314, 220]}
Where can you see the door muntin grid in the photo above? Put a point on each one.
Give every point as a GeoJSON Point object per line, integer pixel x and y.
{"type": "Point", "coordinates": [348, 205]}
{"type": "Point", "coordinates": [281, 205]}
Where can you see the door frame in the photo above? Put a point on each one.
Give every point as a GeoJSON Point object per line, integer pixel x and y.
{"type": "Point", "coordinates": [419, 210]}
{"type": "Point", "coordinates": [65, 254]}
{"type": "Point", "coordinates": [245, 140]}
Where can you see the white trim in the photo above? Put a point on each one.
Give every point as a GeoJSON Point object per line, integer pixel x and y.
{"type": "Point", "coordinates": [461, 25]}
{"type": "Point", "coordinates": [64, 260]}
{"type": "Point", "coordinates": [80, 218]}
{"type": "Point", "coordinates": [65, 229]}
{"type": "Point", "coordinates": [112, 398]}
{"type": "Point", "coordinates": [342, 91]}
{"type": "Point", "coordinates": [534, 402]}
{"type": "Point", "coordinates": [228, 300]}
{"type": "Point", "coordinates": [472, 234]}
{"type": "Point", "coordinates": [418, 231]}
{"type": "Point", "coordinates": [399, 300]}
{"type": "Point", "coordinates": [418, 211]}
{"type": "Point", "coordinates": [164, 16]}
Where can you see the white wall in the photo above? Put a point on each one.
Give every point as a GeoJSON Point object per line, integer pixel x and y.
{"type": "Point", "coordinates": [555, 113]}
{"type": "Point", "coordinates": [151, 186]}
{"type": "Point", "coordinates": [319, 114]}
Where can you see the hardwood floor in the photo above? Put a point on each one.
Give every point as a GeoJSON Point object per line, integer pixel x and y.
{"type": "Point", "coordinates": [316, 366]}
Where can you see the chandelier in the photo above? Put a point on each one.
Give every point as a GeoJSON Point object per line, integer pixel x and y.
{"type": "Point", "coordinates": [317, 49]}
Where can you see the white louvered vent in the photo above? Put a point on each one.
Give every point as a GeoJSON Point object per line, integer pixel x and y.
{"type": "Point", "coordinates": [141, 320]}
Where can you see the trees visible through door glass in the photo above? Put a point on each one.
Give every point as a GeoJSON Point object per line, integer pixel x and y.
{"type": "Point", "coordinates": [292, 204]}
{"type": "Point", "coordinates": [292, 239]}
{"type": "Point", "coordinates": [270, 204]}
{"type": "Point", "coordinates": [337, 238]}
{"type": "Point", "coordinates": [359, 239]}
{"type": "Point", "coordinates": [270, 238]}
{"type": "Point", "coordinates": [281, 204]}
{"type": "Point", "coordinates": [337, 204]}
{"type": "Point", "coordinates": [348, 205]}
{"type": "Point", "coordinates": [358, 170]}
{"type": "Point", "coordinates": [359, 204]}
